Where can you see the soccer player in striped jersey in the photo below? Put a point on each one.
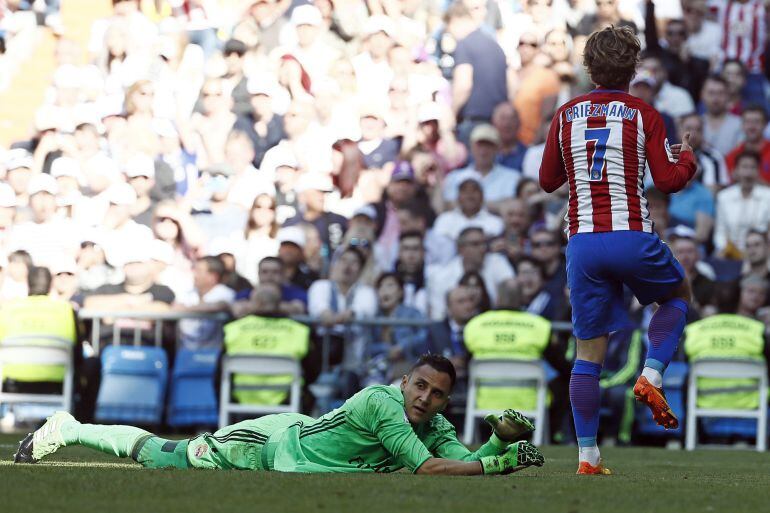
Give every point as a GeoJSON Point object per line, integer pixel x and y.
{"type": "Point", "coordinates": [598, 144]}
{"type": "Point", "coordinates": [379, 429]}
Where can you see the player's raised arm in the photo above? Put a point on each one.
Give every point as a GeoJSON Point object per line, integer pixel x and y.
{"type": "Point", "coordinates": [669, 174]}
{"type": "Point", "coordinates": [552, 171]}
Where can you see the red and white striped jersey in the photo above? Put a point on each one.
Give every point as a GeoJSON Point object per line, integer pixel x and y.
{"type": "Point", "coordinates": [743, 32]}
{"type": "Point", "coordinates": [599, 143]}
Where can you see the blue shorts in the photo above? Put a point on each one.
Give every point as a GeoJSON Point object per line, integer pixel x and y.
{"type": "Point", "coordinates": [599, 264]}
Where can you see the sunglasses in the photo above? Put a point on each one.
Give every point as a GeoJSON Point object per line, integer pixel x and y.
{"type": "Point", "coordinates": [355, 242]}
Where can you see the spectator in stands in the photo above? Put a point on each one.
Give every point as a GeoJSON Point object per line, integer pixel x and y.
{"type": "Point", "coordinates": [445, 337]}
{"type": "Point", "coordinates": [264, 128]}
{"type": "Point", "coordinates": [703, 35]}
{"type": "Point", "coordinates": [377, 149]}
{"type": "Point", "coordinates": [475, 283]}
{"type": "Point", "coordinates": [45, 236]}
{"type": "Point", "coordinates": [290, 250]}
{"type": "Point", "coordinates": [546, 249]}
{"type": "Point", "coordinates": [535, 297]}
{"type": "Point", "coordinates": [410, 269]}
{"type": "Point", "coordinates": [93, 269]}
{"type": "Point", "coordinates": [479, 80]}
{"type": "Point", "coordinates": [472, 255]}
{"type": "Point", "coordinates": [693, 207]}
{"type": "Point", "coordinates": [7, 210]}
{"type": "Point", "coordinates": [244, 181]}
{"type": "Point", "coordinates": [607, 13]}
{"type": "Point", "coordinates": [339, 300]}
{"type": "Point", "coordinates": [470, 210]}
{"type": "Point", "coordinates": [538, 86]}
{"type": "Point", "coordinates": [721, 130]}
{"type": "Point", "coordinates": [657, 205]}
{"type": "Point", "coordinates": [741, 207]}
{"type": "Point", "coordinates": [753, 298]}
{"type": "Point", "coordinates": [260, 236]}
{"type": "Point", "coordinates": [211, 210]}
{"type": "Point", "coordinates": [176, 227]}
{"type": "Point", "coordinates": [684, 70]}
{"type": "Point", "coordinates": [225, 250]}
{"type": "Point", "coordinates": [434, 136]}
{"type": "Point", "coordinates": [712, 169]}
{"type": "Point", "coordinates": [293, 298]}
{"type": "Point", "coordinates": [756, 258]}
{"type": "Point", "coordinates": [393, 348]}
{"type": "Point", "coordinates": [215, 121]}
{"type": "Point", "coordinates": [753, 122]}
{"type": "Point", "coordinates": [645, 87]}
{"type": "Point", "coordinates": [64, 274]}
{"type": "Point", "coordinates": [312, 191]}
{"type": "Point", "coordinates": [361, 237]}
{"type": "Point", "coordinates": [734, 73]}
{"type": "Point", "coordinates": [209, 296]}
{"type": "Point", "coordinates": [18, 172]}
{"type": "Point", "coordinates": [702, 277]}
{"type": "Point", "coordinates": [140, 174]}
{"type": "Point", "coordinates": [234, 78]}
{"type": "Point", "coordinates": [669, 98]}
{"type": "Point", "coordinates": [16, 275]}
{"type": "Point", "coordinates": [499, 182]}
{"type": "Point", "coordinates": [511, 153]}
{"type": "Point", "coordinates": [138, 291]}
{"type": "Point", "coordinates": [40, 315]}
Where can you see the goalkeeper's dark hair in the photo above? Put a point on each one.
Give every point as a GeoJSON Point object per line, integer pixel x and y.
{"type": "Point", "coordinates": [437, 362]}
{"type": "Point", "coordinates": [611, 57]}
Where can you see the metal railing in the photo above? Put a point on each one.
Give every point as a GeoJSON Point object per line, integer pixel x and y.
{"type": "Point", "coordinates": [159, 318]}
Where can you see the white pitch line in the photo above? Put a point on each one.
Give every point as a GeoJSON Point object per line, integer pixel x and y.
{"type": "Point", "coordinates": [83, 464]}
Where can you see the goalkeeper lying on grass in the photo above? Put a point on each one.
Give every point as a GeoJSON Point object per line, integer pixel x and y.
{"type": "Point", "coordinates": [379, 429]}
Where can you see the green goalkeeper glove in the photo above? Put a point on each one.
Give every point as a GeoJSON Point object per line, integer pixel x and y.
{"type": "Point", "coordinates": [515, 457]}
{"type": "Point", "coordinates": [511, 426]}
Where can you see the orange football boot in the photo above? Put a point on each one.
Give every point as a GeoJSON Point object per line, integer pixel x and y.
{"type": "Point", "coordinates": [587, 469]}
{"type": "Point", "coordinates": [655, 400]}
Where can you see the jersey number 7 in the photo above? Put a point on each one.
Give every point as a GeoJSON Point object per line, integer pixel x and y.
{"type": "Point", "coordinates": [600, 136]}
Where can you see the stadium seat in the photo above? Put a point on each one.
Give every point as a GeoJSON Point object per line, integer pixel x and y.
{"type": "Point", "coordinates": [258, 365]}
{"type": "Point", "coordinates": [30, 350]}
{"type": "Point", "coordinates": [674, 381]}
{"type": "Point", "coordinates": [133, 385]}
{"type": "Point", "coordinates": [727, 369]}
{"type": "Point", "coordinates": [505, 373]}
{"type": "Point", "coordinates": [192, 398]}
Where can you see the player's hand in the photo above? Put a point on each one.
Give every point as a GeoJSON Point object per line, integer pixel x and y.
{"type": "Point", "coordinates": [511, 426]}
{"type": "Point", "coordinates": [516, 457]}
{"type": "Point", "coordinates": [676, 149]}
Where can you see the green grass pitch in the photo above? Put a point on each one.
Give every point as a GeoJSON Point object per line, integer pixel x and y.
{"type": "Point", "coordinates": [654, 480]}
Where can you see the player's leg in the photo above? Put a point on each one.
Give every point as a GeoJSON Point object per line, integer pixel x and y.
{"type": "Point", "coordinates": [659, 278]}
{"type": "Point", "coordinates": [597, 310]}
{"type": "Point", "coordinates": [585, 396]}
{"type": "Point", "coordinates": [61, 429]}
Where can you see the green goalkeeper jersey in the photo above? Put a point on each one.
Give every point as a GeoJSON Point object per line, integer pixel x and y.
{"type": "Point", "coordinates": [368, 433]}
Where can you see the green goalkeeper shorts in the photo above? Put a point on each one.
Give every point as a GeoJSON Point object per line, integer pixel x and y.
{"type": "Point", "coordinates": [155, 452]}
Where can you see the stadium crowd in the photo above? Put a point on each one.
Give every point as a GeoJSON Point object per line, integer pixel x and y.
{"type": "Point", "coordinates": [349, 159]}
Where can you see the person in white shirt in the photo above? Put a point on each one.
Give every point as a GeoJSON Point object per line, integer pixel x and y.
{"type": "Point", "coordinates": [209, 296]}
{"type": "Point", "coordinates": [340, 299]}
{"type": "Point", "coordinates": [470, 210]}
{"type": "Point", "coordinates": [472, 255]}
{"type": "Point", "coordinates": [721, 129]}
{"type": "Point", "coordinates": [704, 36]}
{"type": "Point", "coordinates": [499, 182]}
{"type": "Point", "coordinates": [670, 99]}
{"type": "Point", "coordinates": [742, 206]}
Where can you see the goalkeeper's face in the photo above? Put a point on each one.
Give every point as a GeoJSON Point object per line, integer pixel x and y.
{"type": "Point", "coordinates": [426, 393]}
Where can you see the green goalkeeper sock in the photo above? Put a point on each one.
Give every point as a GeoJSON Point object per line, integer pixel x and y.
{"type": "Point", "coordinates": [115, 440]}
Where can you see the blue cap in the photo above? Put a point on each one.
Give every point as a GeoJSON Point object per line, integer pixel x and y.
{"type": "Point", "coordinates": [402, 171]}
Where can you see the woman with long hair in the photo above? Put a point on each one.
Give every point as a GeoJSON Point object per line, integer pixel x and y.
{"type": "Point", "coordinates": [259, 236]}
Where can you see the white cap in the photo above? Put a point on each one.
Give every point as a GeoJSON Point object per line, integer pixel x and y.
{"type": "Point", "coordinates": [46, 119]}
{"type": "Point", "coordinates": [315, 182]}
{"type": "Point", "coordinates": [161, 251]}
{"type": "Point", "coordinates": [123, 253]}
{"type": "Point", "coordinates": [64, 265]}
{"type": "Point", "coordinates": [306, 15]}
{"type": "Point", "coordinates": [261, 84]}
{"type": "Point", "coordinates": [43, 183]}
{"type": "Point", "coordinates": [67, 76]}
{"type": "Point", "coordinates": [120, 193]}
{"type": "Point", "coordinates": [429, 112]}
{"type": "Point", "coordinates": [366, 211]}
{"type": "Point", "coordinates": [379, 23]}
{"type": "Point", "coordinates": [66, 166]}
{"type": "Point", "coordinates": [140, 165]}
{"type": "Point", "coordinates": [18, 158]}
{"type": "Point", "coordinates": [220, 246]}
{"type": "Point", "coordinates": [485, 132]}
{"type": "Point", "coordinates": [282, 156]}
{"type": "Point", "coordinates": [7, 196]}
{"type": "Point", "coordinates": [468, 175]}
{"type": "Point", "coordinates": [292, 234]}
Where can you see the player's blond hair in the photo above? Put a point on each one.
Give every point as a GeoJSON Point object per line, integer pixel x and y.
{"type": "Point", "coordinates": [611, 57]}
